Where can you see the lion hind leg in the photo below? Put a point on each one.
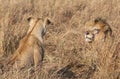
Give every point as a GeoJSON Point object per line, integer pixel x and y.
{"type": "Point", "coordinates": [38, 55]}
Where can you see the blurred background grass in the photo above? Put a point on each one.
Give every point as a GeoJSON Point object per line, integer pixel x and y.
{"type": "Point", "coordinates": [64, 42]}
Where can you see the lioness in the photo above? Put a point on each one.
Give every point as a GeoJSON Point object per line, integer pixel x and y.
{"type": "Point", "coordinates": [97, 30]}
{"type": "Point", "coordinates": [31, 50]}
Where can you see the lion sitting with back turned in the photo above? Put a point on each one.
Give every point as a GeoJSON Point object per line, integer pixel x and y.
{"type": "Point", "coordinates": [31, 50]}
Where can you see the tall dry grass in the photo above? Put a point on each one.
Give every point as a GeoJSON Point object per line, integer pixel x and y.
{"type": "Point", "coordinates": [67, 56]}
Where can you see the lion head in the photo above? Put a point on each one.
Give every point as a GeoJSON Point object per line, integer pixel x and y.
{"type": "Point", "coordinates": [96, 30]}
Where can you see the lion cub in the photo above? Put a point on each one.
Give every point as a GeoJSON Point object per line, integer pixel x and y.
{"type": "Point", "coordinates": [31, 51]}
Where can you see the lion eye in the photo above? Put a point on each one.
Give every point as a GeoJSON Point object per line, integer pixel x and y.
{"type": "Point", "coordinates": [87, 33]}
{"type": "Point", "coordinates": [96, 31]}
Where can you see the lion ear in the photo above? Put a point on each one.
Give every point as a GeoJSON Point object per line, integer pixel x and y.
{"type": "Point", "coordinates": [49, 21]}
{"type": "Point", "coordinates": [29, 18]}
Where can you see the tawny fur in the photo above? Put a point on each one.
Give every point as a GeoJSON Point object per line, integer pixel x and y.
{"type": "Point", "coordinates": [97, 30]}
{"type": "Point", "coordinates": [31, 49]}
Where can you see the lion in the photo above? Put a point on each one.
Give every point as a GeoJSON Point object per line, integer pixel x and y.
{"type": "Point", "coordinates": [100, 40]}
{"type": "Point", "coordinates": [97, 30]}
{"type": "Point", "coordinates": [31, 49]}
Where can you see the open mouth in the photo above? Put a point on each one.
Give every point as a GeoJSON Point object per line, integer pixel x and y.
{"type": "Point", "coordinates": [88, 38]}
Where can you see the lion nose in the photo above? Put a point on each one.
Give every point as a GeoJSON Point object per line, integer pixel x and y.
{"type": "Point", "coordinates": [87, 33]}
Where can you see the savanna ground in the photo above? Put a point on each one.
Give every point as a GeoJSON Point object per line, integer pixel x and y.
{"type": "Point", "coordinates": [67, 55]}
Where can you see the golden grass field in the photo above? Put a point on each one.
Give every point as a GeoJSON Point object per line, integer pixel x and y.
{"type": "Point", "coordinates": [67, 55]}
